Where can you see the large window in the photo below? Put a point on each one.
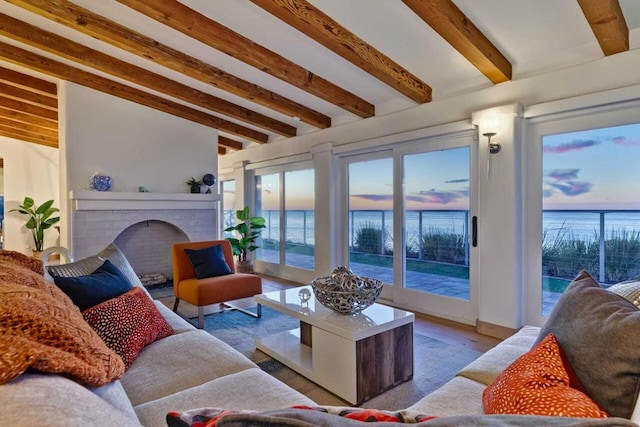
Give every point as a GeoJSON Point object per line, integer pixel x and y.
{"type": "Point", "coordinates": [286, 200]}
{"type": "Point", "coordinates": [299, 218]}
{"type": "Point", "coordinates": [590, 207]}
{"type": "Point", "coordinates": [371, 218]}
{"type": "Point", "coordinates": [436, 222]}
{"type": "Point", "coordinates": [268, 206]}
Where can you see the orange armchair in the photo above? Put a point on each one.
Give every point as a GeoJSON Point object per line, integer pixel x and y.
{"type": "Point", "coordinates": [212, 290]}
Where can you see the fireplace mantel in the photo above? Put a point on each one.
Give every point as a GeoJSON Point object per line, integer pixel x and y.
{"type": "Point", "coordinates": [118, 200]}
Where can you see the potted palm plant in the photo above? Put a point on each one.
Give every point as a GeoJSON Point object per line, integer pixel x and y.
{"type": "Point", "coordinates": [249, 228]}
{"type": "Point", "coordinates": [40, 220]}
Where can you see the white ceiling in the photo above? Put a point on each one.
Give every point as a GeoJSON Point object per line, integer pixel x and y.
{"type": "Point", "coordinates": [535, 36]}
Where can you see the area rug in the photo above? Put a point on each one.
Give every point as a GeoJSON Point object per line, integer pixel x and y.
{"type": "Point", "coordinates": [435, 362]}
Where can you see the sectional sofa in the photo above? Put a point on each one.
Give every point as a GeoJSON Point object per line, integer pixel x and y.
{"type": "Point", "coordinates": [192, 369]}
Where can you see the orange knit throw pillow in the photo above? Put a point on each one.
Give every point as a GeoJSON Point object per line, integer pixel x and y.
{"type": "Point", "coordinates": [40, 328]}
{"type": "Point", "coordinates": [539, 383]}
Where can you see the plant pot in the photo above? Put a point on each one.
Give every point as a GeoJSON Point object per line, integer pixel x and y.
{"type": "Point", "coordinates": [195, 189]}
{"type": "Point", "coordinates": [36, 254]}
{"type": "Point", "coordinates": [244, 267]}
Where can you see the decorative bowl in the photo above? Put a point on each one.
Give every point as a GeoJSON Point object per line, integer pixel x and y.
{"type": "Point", "coordinates": [100, 182]}
{"type": "Point", "coordinates": [346, 293]}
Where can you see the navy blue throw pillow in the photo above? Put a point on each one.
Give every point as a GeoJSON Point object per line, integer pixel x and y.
{"type": "Point", "coordinates": [106, 282]}
{"type": "Point", "coordinates": [208, 262]}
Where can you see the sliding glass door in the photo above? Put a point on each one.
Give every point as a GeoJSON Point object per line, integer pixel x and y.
{"type": "Point", "coordinates": [409, 224]}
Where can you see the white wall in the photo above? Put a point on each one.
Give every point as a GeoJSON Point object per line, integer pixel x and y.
{"type": "Point", "coordinates": [29, 170]}
{"type": "Point", "coordinates": [134, 144]}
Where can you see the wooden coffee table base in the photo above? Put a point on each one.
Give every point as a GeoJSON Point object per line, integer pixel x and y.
{"type": "Point", "coordinates": [355, 371]}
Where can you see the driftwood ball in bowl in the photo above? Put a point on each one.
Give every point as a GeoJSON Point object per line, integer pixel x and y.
{"type": "Point", "coordinates": [345, 292]}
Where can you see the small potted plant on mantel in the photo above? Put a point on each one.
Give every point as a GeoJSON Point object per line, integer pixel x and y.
{"type": "Point", "coordinates": [249, 228]}
{"type": "Point", "coordinates": [194, 184]}
{"type": "Point", "coordinates": [40, 220]}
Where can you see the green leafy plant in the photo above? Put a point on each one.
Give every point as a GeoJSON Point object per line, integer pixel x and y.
{"type": "Point", "coordinates": [193, 182]}
{"type": "Point", "coordinates": [40, 218]}
{"type": "Point", "coordinates": [249, 229]}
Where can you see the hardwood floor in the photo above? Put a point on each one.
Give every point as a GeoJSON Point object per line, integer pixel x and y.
{"type": "Point", "coordinates": [444, 330]}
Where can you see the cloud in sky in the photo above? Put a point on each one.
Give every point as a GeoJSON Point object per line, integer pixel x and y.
{"type": "Point", "coordinates": [576, 144]}
{"type": "Point", "coordinates": [373, 197]}
{"type": "Point", "coordinates": [565, 180]}
{"type": "Point", "coordinates": [456, 181]}
{"type": "Point", "coordinates": [563, 174]}
{"type": "Point", "coordinates": [572, 188]}
{"type": "Point", "coordinates": [622, 140]}
{"type": "Point", "coordinates": [440, 197]}
{"type": "Point", "coordinates": [547, 192]}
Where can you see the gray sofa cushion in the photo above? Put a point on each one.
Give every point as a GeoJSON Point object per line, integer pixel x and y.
{"type": "Point", "coordinates": [52, 400]}
{"type": "Point", "coordinates": [487, 367]}
{"type": "Point", "coordinates": [250, 389]}
{"type": "Point", "coordinates": [178, 324]}
{"type": "Point", "coordinates": [599, 333]}
{"type": "Point", "coordinates": [460, 396]}
{"type": "Point", "coordinates": [114, 394]}
{"type": "Point", "coordinates": [180, 362]}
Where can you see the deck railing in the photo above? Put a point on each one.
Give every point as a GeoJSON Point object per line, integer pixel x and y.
{"type": "Point", "coordinates": [599, 240]}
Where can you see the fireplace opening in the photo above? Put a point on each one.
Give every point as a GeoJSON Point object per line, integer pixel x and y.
{"type": "Point", "coordinates": [147, 246]}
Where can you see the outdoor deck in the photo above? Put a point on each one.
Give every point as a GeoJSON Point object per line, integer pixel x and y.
{"type": "Point", "coordinates": [425, 282]}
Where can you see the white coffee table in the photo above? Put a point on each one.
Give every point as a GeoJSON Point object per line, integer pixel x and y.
{"type": "Point", "coordinates": [356, 357]}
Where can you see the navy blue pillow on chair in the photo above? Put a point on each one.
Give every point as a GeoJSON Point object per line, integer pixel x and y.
{"type": "Point", "coordinates": [208, 262]}
{"type": "Point", "coordinates": [106, 282]}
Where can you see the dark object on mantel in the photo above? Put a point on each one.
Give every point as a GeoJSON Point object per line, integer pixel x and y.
{"type": "Point", "coordinates": [208, 180]}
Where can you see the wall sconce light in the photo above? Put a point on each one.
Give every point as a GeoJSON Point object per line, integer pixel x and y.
{"type": "Point", "coordinates": [494, 147]}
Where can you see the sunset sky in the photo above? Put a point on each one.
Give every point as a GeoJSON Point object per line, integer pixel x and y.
{"type": "Point", "coordinates": [434, 180]}
{"type": "Point", "coordinates": [594, 169]}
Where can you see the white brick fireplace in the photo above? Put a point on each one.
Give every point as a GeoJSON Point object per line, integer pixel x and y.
{"type": "Point", "coordinates": [98, 218]}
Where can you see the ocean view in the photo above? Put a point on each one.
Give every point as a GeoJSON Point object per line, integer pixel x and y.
{"type": "Point", "coordinates": [582, 225]}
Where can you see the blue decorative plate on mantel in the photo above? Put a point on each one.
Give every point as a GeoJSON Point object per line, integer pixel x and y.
{"type": "Point", "coordinates": [100, 182]}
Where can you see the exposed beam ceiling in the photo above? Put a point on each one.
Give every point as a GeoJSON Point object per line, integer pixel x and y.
{"type": "Point", "coordinates": [458, 30]}
{"type": "Point", "coordinates": [49, 42]}
{"type": "Point", "coordinates": [30, 83]}
{"type": "Point", "coordinates": [179, 17]}
{"type": "Point", "coordinates": [311, 21]}
{"type": "Point", "coordinates": [264, 69]}
{"type": "Point", "coordinates": [62, 71]}
{"type": "Point", "coordinates": [28, 108]}
{"type": "Point", "coordinates": [228, 142]}
{"type": "Point", "coordinates": [608, 24]}
{"type": "Point", "coordinates": [90, 23]}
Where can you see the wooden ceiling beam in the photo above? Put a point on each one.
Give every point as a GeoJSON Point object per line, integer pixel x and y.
{"type": "Point", "coordinates": [228, 142]}
{"type": "Point", "coordinates": [68, 49]}
{"type": "Point", "coordinates": [27, 96]}
{"type": "Point", "coordinates": [21, 117]}
{"type": "Point", "coordinates": [24, 107]}
{"type": "Point", "coordinates": [62, 71]}
{"type": "Point", "coordinates": [16, 134]}
{"type": "Point", "coordinates": [6, 122]}
{"type": "Point", "coordinates": [33, 135]}
{"type": "Point", "coordinates": [608, 24]}
{"type": "Point", "coordinates": [87, 22]}
{"type": "Point", "coordinates": [458, 30]}
{"type": "Point", "coordinates": [195, 25]}
{"type": "Point", "coordinates": [29, 83]}
{"type": "Point", "coordinates": [222, 150]}
{"type": "Point", "coordinates": [319, 26]}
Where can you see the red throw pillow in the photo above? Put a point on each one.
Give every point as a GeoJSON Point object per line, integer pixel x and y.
{"type": "Point", "coordinates": [539, 383]}
{"type": "Point", "coordinates": [128, 323]}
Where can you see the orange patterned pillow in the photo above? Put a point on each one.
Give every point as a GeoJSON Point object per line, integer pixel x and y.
{"type": "Point", "coordinates": [539, 383]}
